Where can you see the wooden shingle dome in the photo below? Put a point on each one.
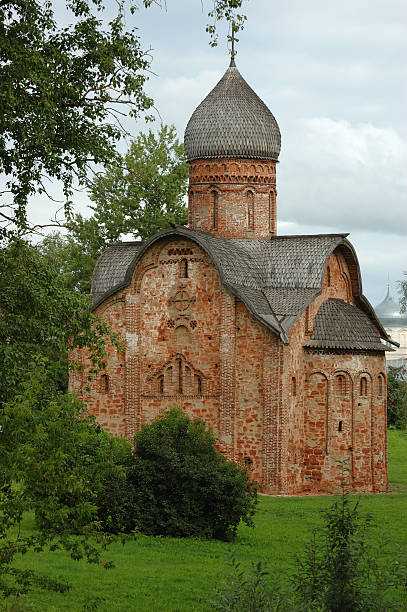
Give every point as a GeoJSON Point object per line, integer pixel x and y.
{"type": "Point", "coordinates": [232, 121]}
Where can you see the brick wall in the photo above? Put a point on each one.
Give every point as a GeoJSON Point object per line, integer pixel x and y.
{"type": "Point", "coordinates": [233, 198]}
{"type": "Point", "coordinates": [326, 423]}
{"type": "Point", "coordinates": [276, 409]}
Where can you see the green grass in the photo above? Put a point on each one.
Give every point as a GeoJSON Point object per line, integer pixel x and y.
{"type": "Point", "coordinates": [180, 575]}
{"type": "Point", "coordinates": [397, 448]}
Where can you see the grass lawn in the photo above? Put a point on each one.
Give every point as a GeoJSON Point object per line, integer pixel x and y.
{"type": "Point", "coordinates": [180, 575]}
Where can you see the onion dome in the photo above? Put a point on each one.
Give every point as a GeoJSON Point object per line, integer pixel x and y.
{"type": "Point", "coordinates": [388, 312]}
{"type": "Point", "coordinates": [232, 121]}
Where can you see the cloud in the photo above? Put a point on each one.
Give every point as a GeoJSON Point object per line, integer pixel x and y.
{"type": "Point", "coordinates": [176, 98]}
{"type": "Point", "coordinates": [345, 176]}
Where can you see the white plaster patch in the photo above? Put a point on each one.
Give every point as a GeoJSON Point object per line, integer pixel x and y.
{"type": "Point", "coordinates": [131, 342]}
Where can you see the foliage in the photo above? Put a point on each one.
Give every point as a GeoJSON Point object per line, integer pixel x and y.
{"type": "Point", "coordinates": [73, 260]}
{"type": "Point", "coordinates": [397, 397]}
{"type": "Point", "coordinates": [249, 591]}
{"type": "Point", "coordinates": [340, 572]}
{"type": "Point", "coordinates": [64, 90]}
{"type": "Point", "coordinates": [53, 459]}
{"type": "Point", "coordinates": [140, 197]}
{"type": "Point", "coordinates": [342, 569]}
{"type": "Point", "coordinates": [61, 91]}
{"type": "Point", "coordinates": [186, 572]}
{"type": "Point", "coordinates": [145, 194]}
{"type": "Point", "coordinates": [179, 485]}
{"type": "Point", "coordinates": [403, 292]}
{"type": "Point", "coordinates": [39, 315]}
{"type": "Point", "coordinates": [225, 9]}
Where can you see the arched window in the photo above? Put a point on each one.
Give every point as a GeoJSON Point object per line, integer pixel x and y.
{"type": "Point", "coordinates": [363, 386]}
{"type": "Point", "coordinates": [293, 386]}
{"type": "Point", "coordinates": [104, 383]}
{"type": "Point", "coordinates": [161, 383]}
{"type": "Point", "coordinates": [328, 276]}
{"type": "Point", "coordinates": [340, 384]}
{"type": "Point", "coordinates": [169, 374]}
{"type": "Point", "coordinates": [340, 426]}
{"type": "Point", "coordinates": [215, 209]}
{"type": "Point", "coordinates": [183, 269]}
{"type": "Point", "coordinates": [198, 384]}
{"type": "Point", "coordinates": [180, 380]}
{"type": "Point", "coordinates": [250, 210]}
{"type": "Point", "coordinates": [380, 385]}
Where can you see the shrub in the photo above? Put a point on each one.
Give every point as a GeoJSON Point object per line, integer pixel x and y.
{"type": "Point", "coordinates": [59, 456]}
{"type": "Point", "coordinates": [250, 591]}
{"type": "Point", "coordinates": [341, 571]}
{"type": "Point", "coordinates": [54, 460]}
{"type": "Point", "coordinates": [178, 484]}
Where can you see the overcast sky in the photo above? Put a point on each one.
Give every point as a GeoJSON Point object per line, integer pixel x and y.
{"type": "Point", "coordinates": [334, 76]}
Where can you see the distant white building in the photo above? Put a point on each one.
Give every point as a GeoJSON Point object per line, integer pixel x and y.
{"type": "Point", "coordinates": [395, 324]}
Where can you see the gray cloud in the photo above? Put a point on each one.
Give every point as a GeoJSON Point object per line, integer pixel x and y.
{"type": "Point", "coordinates": [349, 177]}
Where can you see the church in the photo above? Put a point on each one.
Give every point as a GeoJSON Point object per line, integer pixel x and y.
{"type": "Point", "coordinates": [267, 338]}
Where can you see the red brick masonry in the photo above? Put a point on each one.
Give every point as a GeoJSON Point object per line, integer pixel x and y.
{"type": "Point", "coordinates": [287, 412]}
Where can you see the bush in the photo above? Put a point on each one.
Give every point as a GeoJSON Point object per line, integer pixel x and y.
{"type": "Point", "coordinates": [59, 456]}
{"type": "Point", "coordinates": [54, 460]}
{"type": "Point", "coordinates": [178, 484]}
{"type": "Point", "coordinates": [341, 571]}
{"type": "Point", "coordinates": [344, 568]}
{"type": "Point", "coordinates": [250, 591]}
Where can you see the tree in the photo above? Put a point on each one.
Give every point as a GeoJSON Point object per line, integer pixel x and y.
{"type": "Point", "coordinates": [74, 260]}
{"type": "Point", "coordinates": [397, 397]}
{"type": "Point", "coordinates": [63, 91]}
{"type": "Point", "coordinates": [40, 316]}
{"type": "Point", "coordinates": [54, 460]}
{"type": "Point", "coordinates": [178, 484]}
{"type": "Point", "coordinates": [403, 292]}
{"type": "Point", "coordinates": [141, 196]}
{"type": "Point", "coordinates": [146, 193]}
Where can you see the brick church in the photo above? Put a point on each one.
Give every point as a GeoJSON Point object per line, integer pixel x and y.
{"type": "Point", "coordinates": [267, 338]}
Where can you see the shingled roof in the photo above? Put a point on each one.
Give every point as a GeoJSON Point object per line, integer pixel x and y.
{"type": "Point", "coordinates": [339, 325]}
{"type": "Point", "coordinates": [232, 121]}
{"type": "Point", "coordinates": [111, 268]}
{"type": "Point", "coordinates": [275, 278]}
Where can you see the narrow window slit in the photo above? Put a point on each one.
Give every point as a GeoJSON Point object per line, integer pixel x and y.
{"type": "Point", "coordinates": [184, 268]}
{"type": "Point", "coordinates": [105, 383]}
{"type": "Point", "coordinates": [161, 384]}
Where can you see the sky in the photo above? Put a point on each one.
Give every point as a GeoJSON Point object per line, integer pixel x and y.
{"type": "Point", "coordinates": [334, 76]}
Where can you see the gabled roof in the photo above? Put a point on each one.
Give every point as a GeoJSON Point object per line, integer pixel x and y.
{"type": "Point", "coordinates": [275, 278]}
